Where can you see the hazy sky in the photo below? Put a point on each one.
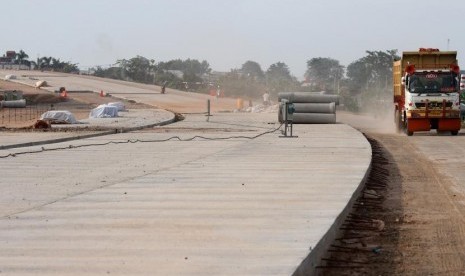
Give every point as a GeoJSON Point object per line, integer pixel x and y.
{"type": "Point", "coordinates": [227, 33]}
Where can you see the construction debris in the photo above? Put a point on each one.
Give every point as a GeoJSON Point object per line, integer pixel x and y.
{"type": "Point", "coordinates": [41, 83]}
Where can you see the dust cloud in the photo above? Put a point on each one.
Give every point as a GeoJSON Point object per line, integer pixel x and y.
{"type": "Point", "coordinates": [377, 118]}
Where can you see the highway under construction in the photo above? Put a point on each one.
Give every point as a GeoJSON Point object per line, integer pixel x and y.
{"type": "Point", "coordinates": [226, 194]}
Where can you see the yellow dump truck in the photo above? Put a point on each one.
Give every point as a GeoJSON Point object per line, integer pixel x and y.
{"type": "Point", "coordinates": [426, 91]}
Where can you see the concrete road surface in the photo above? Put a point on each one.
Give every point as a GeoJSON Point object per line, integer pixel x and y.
{"type": "Point", "coordinates": [145, 203]}
{"type": "Point", "coordinates": [200, 207]}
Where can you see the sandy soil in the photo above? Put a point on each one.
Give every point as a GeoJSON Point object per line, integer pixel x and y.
{"type": "Point", "coordinates": [432, 226]}
{"type": "Point", "coordinates": [421, 210]}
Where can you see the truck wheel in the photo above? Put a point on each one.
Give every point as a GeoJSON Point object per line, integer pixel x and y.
{"type": "Point", "coordinates": [409, 133]}
{"type": "Point", "coordinates": [454, 132]}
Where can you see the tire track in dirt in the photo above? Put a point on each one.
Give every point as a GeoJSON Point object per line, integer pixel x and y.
{"type": "Point", "coordinates": [432, 228]}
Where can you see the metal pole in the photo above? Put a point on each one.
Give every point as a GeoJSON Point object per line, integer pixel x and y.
{"type": "Point", "coordinates": [208, 110]}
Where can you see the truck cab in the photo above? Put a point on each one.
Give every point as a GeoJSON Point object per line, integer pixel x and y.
{"type": "Point", "coordinates": [427, 94]}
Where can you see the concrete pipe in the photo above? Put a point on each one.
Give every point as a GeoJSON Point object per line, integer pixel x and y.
{"type": "Point", "coordinates": [313, 118]}
{"type": "Point", "coordinates": [305, 97]}
{"type": "Point", "coordinates": [315, 107]}
{"type": "Point", "coordinates": [14, 104]}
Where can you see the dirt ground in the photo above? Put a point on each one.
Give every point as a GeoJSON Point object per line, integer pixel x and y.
{"type": "Point", "coordinates": [39, 101]}
{"type": "Point", "coordinates": [432, 226]}
{"type": "Point", "coordinates": [410, 222]}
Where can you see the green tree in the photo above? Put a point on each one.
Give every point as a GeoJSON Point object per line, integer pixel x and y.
{"type": "Point", "coordinates": [189, 66]}
{"type": "Point", "coordinates": [235, 83]}
{"type": "Point", "coordinates": [21, 57]}
{"type": "Point", "coordinates": [374, 71]}
{"type": "Point", "coordinates": [69, 67]}
{"type": "Point", "coordinates": [279, 79]}
{"type": "Point", "coordinates": [45, 63]}
{"type": "Point", "coordinates": [252, 69]}
{"type": "Point", "coordinates": [37, 64]}
{"type": "Point", "coordinates": [138, 69]}
{"type": "Point", "coordinates": [111, 73]}
{"type": "Point", "coordinates": [56, 64]}
{"type": "Point", "coordinates": [371, 76]}
{"type": "Point", "coordinates": [324, 73]}
{"type": "Point", "coordinates": [358, 74]}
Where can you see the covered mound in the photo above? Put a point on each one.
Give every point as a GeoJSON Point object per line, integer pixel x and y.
{"type": "Point", "coordinates": [104, 111]}
{"type": "Point", "coordinates": [59, 117]}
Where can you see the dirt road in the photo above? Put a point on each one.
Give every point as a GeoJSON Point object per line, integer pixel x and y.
{"type": "Point", "coordinates": [174, 100]}
{"type": "Point", "coordinates": [424, 206]}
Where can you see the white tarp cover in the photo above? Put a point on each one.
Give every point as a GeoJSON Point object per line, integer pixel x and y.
{"type": "Point", "coordinates": [59, 116]}
{"type": "Point", "coordinates": [104, 111]}
{"type": "Point", "coordinates": [10, 77]}
{"type": "Point", "coordinates": [119, 105]}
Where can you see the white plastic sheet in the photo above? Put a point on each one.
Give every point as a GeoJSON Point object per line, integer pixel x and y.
{"type": "Point", "coordinates": [118, 105]}
{"type": "Point", "coordinates": [59, 116]}
{"type": "Point", "coordinates": [104, 111]}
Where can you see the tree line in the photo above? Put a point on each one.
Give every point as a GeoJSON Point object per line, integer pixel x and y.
{"type": "Point", "coordinates": [367, 78]}
{"type": "Point", "coordinates": [366, 81]}
{"type": "Point", "coordinates": [45, 63]}
{"type": "Point", "coordinates": [371, 75]}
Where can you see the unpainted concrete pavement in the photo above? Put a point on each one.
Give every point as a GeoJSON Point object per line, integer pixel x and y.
{"type": "Point", "coordinates": [228, 207]}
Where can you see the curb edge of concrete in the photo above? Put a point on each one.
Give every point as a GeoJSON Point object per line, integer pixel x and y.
{"type": "Point", "coordinates": [78, 137]}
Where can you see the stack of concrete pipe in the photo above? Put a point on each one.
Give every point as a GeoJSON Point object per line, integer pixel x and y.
{"type": "Point", "coordinates": [311, 108]}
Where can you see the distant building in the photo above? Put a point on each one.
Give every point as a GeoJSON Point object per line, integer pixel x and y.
{"type": "Point", "coordinates": [8, 58]}
{"type": "Point", "coordinates": [11, 54]}
{"type": "Point", "coordinates": [8, 62]}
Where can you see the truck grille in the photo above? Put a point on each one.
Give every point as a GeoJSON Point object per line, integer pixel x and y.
{"type": "Point", "coordinates": [432, 104]}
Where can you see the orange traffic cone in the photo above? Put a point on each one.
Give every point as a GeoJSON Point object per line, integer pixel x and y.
{"type": "Point", "coordinates": [102, 94]}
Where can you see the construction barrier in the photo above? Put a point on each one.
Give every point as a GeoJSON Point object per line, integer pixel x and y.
{"type": "Point", "coordinates": [240, 103]}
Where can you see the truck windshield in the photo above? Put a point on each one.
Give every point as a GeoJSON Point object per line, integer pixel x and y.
{"type": "Point", "coordinates": [432, 82]}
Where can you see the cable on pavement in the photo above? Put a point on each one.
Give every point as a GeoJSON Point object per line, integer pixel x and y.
{"type": "Point", "coordinates": [133, 141]}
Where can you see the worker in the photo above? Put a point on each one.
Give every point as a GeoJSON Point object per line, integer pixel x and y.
{"type": "Point", "coordinates": [163, 88]}
{"type": "Point", "coordinates": [266, 98]}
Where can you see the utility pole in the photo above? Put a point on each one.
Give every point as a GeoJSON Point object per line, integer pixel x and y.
{"type": "Point", "coordinates": [448, 41]}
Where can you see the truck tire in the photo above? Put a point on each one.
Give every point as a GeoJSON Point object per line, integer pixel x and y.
{"type": "Point", "coordinates": [409, 133]}
{"type": "Point", "coordinates": [454, 132]}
